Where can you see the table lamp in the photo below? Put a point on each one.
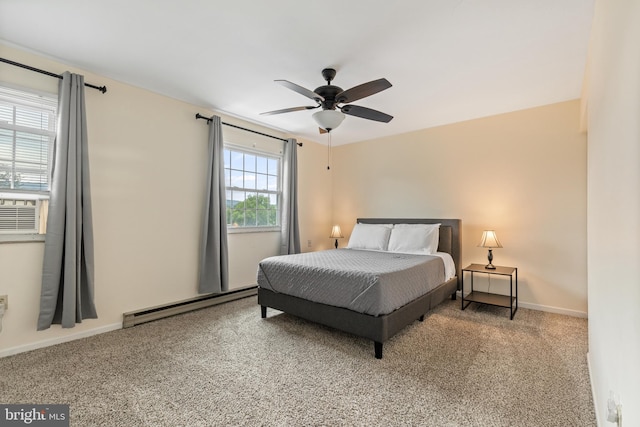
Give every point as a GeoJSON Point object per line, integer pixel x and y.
{"type": "Point", "coordinates": [336, 233]}
{"type": "Point", "coordinates": [490, 241]}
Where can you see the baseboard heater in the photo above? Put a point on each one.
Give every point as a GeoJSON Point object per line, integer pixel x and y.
{"type": "Point", "coordinates": [134, 318]}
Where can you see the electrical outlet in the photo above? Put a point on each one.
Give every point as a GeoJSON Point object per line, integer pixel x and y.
{"type": "Point", "coordinates": [308, 243]}
{"type": "Point", "coordinates": [4, 301]}
{"type": "Point", "coordinates": [614, 410]}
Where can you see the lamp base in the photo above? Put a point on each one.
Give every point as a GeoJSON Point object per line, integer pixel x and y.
{"type": "Point", "coordinates": [490, 266]}
{"type": "Point", "coordinates": [337, 245]}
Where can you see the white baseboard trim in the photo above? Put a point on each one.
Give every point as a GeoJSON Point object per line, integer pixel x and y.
{"type": "Point", "coordinates": [550, 309]}
{"type": "Point", "coordinates": [59, 340]}
{"type": "Point", "coordinates": [593, 392]}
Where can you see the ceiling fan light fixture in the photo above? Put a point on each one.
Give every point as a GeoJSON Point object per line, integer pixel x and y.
{"type": "Point", "coordinates": [328, 119]}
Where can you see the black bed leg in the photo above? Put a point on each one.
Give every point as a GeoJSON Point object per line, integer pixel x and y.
{"type": "Point", "coordinates": [377, 346]}
{"type": "Point", "coordinates": [453, 296]}
{"type": "Point", "coordinates": [421, 318]}
{"type": "Point", "coordinates": [263, 311]}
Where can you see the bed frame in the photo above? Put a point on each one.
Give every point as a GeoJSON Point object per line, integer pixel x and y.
{"type": "Point", "coordinates": [376, 328]}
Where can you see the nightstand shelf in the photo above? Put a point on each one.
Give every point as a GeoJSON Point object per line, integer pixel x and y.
{"type": "Point", "coordinates": [509, 301]}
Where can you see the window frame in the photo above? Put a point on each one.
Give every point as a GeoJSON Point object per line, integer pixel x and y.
{"type": "Point", "coordinates": [49, 105]}
{"type": "Point", "coordinates": [260, 153]}
{"type": "Point", "coordinates": [30, 99]}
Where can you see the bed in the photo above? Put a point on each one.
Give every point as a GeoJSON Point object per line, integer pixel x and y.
{"type": "Point", "coordinates": [306, 285]}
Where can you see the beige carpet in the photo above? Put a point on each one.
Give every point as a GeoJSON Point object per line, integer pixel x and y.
{"type": "Point", "coordinates": [225, 366]}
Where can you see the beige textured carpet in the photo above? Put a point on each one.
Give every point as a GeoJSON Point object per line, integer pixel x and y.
{"type": "Point", "coordinates": [225, 366]}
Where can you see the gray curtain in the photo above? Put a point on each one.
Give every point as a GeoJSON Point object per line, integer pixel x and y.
{"type": "Point", "coordinates": [290, 237]}
{"type": "Point", "coordinates": [214, 257]}
{"type": "Point", "coordinates": [66, 296]}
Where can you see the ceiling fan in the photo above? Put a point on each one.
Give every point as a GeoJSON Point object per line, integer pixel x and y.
{"type": "Point", "coordinates": [329, 97]}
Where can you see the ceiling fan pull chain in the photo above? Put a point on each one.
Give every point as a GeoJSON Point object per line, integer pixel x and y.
{"type": "Point", "coordinates": [329, 151]}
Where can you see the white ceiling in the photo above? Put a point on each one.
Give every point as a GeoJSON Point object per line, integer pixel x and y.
{"type": "Point", "coordinates": [448, 60]}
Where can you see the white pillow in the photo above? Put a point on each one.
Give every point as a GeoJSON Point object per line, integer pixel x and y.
{"type": "Point", "coordinates": [421, 239]}
{"type": "Point", "coordinates": [370, 236]}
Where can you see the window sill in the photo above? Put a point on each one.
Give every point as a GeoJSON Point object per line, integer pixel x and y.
{"type": "Point", "coordinates": [239, 230]}
{"type": "Point", "coordinates": [21, 238]}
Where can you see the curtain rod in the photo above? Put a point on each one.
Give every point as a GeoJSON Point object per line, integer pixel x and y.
{"type": "Point", "coordinates": [102, 89]}
{"type": "Point", "coordinates": [200, 116]}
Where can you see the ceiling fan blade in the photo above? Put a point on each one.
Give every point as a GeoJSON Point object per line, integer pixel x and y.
{"type": "Point", "coordinates": [363, 90]}
{"type": "Point", "coordinates": [302, 91]}
{"type": "Point", "coordinates": [322, 131]}
{"type": "Point", "coordinates": [366, 113]}
{"type": "Point", "coordinates": [288, 110]}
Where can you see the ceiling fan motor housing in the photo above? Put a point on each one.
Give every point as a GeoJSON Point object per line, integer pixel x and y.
{"type": "Point", "coordinates": [329, 93]}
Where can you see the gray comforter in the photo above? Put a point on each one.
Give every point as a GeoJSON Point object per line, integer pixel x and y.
{"type": "Point", "coordinates": [369, 282]}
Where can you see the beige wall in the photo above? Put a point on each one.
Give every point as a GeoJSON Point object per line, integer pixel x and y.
{"type": "Point", "coordinates": [614, 207]}
{"type": "Point", "coordinates": [522, 174]}
{"type": "Point", "coordinates": [148, 157]}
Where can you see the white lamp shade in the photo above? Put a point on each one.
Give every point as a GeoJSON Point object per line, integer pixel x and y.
{"type": "Point", "coordinates": [328, 119]}
{"type": "Point", "coordinates": [489, 240]}
{"type": "Point", "coordinates": [336, 233]}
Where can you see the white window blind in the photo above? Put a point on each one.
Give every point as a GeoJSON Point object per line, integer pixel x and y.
{"type": "Point", "coordinates": [27, 133]}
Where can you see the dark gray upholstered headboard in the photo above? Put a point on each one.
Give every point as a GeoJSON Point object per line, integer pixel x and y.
{"type": "Point", "coordinates": [450, 237]}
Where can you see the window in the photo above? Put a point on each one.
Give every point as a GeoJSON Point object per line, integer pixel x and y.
{"type": "Point", "coordinates": [27, 133]}
{"type": "Point", "coordinates": [252, 182]}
